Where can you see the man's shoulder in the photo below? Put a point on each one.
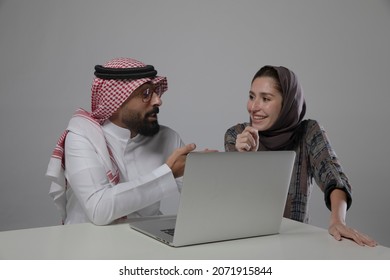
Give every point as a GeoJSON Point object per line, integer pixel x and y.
{"type": "Point", "coordinates": [165, 128]}
{"type": "Point", "coordinates": [83, 124]}
{"type": "Point", "coordinates": [167, 131]}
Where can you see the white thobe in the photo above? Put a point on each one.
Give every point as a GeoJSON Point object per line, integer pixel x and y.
{"type": "Point", "coordinates": [145, 178]}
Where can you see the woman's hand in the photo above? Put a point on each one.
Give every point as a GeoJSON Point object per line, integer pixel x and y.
{"type": "Point", "coordinates": [339, 230]}
{"type": "Point", "coordinates": [248, 140]}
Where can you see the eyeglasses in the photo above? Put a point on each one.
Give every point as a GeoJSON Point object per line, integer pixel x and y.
{"type": "Point", "coordinates": [147, 93]}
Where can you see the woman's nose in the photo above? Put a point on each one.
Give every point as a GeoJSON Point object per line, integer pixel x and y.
{"type": "Point", "coordinates": [256, 105]}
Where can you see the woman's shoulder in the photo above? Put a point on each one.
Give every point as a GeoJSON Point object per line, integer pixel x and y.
{"type": "Point", "coordinates": [237, 129]}
{"type": "Point", "coordinates": [312, 125]}
{"type": "Point", "coordinates": [313, 131]}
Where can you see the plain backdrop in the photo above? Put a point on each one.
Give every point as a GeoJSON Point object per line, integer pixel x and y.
{"type": "Point", "coordinates": [209, 50]}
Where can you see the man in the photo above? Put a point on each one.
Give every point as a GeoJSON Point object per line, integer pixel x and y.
{"type": "Point", "coordinates": [117, 161]}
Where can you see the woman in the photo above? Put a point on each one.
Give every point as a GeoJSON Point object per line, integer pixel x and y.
{"type": "Point", "coordinates": [276, 107]}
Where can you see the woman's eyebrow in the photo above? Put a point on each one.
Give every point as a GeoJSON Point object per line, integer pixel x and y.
{"type": "Point", "coordinates": [263, 93]}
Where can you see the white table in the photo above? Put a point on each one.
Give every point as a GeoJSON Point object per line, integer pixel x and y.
{"type": "Point", "coordinates": [119, 242]}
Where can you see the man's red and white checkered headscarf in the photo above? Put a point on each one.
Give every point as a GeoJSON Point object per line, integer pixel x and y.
{"type": "Point", "coordinates": [108, 95]}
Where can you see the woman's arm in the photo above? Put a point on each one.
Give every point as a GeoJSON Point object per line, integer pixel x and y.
{"type": "Point", "coordinates": [337, 225]}
{"type": "Point", "coordinates": [330, 177]}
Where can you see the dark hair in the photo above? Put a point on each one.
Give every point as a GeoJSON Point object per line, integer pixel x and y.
{"type": "Point", "coordinates": [269, 71]}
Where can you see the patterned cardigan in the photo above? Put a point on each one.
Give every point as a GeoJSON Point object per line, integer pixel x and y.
{"type": "Point", "coordinates": [316, 159]}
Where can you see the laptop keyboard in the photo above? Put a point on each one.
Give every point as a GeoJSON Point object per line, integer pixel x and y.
{"type": "Point", "coordinates": [170, 231]}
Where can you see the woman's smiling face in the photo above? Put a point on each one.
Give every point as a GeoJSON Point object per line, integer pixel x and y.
{"type": "Point", "coordinates": [264, 104]}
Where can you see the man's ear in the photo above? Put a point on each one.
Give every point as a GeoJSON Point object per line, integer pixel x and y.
{"type": "Point", "coordinates": [115, 116]}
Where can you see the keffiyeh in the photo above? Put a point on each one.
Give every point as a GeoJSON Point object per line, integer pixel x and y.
{"type": "Point", "coordinates": [109, 94]}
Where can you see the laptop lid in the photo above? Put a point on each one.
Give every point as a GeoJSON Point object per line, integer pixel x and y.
{"type": "Point", "coordinates": [230, 195]}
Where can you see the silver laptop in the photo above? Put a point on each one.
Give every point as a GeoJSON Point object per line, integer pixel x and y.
{"type": "Point", "coordinates": [225, 196]}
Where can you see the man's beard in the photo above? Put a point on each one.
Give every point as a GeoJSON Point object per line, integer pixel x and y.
{"type": "Point", "coordinates": [143, 126]}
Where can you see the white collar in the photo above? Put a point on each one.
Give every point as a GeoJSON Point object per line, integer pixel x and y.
{"type": "Point", "coordinates": [121, 133]}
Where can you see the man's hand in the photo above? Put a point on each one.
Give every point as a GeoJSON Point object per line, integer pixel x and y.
{"type": "Point", "coordinates": [177, 160]}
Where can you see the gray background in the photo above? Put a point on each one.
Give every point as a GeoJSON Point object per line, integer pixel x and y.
{"type": "Point", "coordinates": [209, 50]}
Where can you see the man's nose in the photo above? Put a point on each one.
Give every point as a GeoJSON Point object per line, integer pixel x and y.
{"type": "Point", "coordinates": [156, 99]}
